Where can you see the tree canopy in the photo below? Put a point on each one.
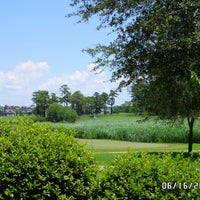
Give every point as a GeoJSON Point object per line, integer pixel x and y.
{"type": "Point", "coordinates": [156, 41]}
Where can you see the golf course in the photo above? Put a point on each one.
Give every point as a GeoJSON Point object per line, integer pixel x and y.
{"type": "Point", "coordinates": [109, 135]}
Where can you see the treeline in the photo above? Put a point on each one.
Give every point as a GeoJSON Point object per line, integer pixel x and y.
{"type": "Point", "coordinates": [91, 105]}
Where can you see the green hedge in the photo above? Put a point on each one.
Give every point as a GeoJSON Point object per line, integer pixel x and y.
{"type": "Point", "coordinates": [143, 176]}
{"type": "Point", "coordinates": [37, 162]}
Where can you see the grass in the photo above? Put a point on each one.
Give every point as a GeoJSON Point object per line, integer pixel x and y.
{"type": "Point", "coordinates": [127, 127]}
{"type": "Point", "coordinates": [99, 145]}
{"type": "Point", "coordinates": [108, 135]}
{"type": "Point", "coordinates": [106, 150]}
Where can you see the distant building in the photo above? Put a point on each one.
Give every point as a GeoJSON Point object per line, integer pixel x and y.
{"type": "Point", "coordinates": [15, 110]}
{"type": "Point", "coordinates": [27, 111]}
{"type": "Point", "coordinates": [9, 112]}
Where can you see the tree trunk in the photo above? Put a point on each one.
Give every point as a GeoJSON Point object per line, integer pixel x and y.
{"type": "Point", "coordinates": [190, 139]}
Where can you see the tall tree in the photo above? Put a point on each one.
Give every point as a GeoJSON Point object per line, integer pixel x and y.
{"type": "Point", "coordinates": [89, 105]}
{"type": "Point", "coordinates": [104, 97]}
{"type": "Point", "coordinates": [138, 93]}
{"type": "Point", "coordinates": [78, 102]}
{"type": "Point", "coordinates": [54, 98]}
{"type": "Point", "coordinates": [66, 94]}
{"type": "Point", "coordinates": [156, 40]}
{"type": "Point", "coordinates": [111, 100]}
{"type": "Point", "coordinates": [98, 102]}
{"type": "Point", "coordinates": [42, 101]}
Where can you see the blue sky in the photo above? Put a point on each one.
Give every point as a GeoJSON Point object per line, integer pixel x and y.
{"type": "Point", "coordinates": [41, 49]}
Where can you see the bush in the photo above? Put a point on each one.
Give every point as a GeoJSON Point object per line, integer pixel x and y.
{"type": "Point", "coordinates": [37, 162]}
{"type": "Point", "coordinates": [58, 113]}
{"type": "Point", "coordinates": [142, 176]}
{"type": "Point", "coordinates": [38, 118]}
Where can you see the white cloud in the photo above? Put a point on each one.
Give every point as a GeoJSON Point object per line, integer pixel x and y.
{"type": "Point", "coordinates": [23, 74]}
{"type": "Point", "coordinates": [18, 85]}
{"type": "Point", "coordinates": [86, 81]}
{"type": "Point", "coordinates": [31, 71]}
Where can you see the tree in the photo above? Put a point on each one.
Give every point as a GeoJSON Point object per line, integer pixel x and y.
{"type": "Point", "coordinates": [156, 40]}
{"type": "Point", "coordinates": [97, 103]}
{"type": "Point", "coordinates": [78, 102]}
{"type": "Point", "coordinates": [42, 101]}
{"type": "Point", "coordinates": [54, 98]}
{"type": "Point", "coordinates": [138, 93]}
{"type": "Point", "coordinates": [89, 105]}
{"type": "Point", "coordinates": [111, 100]}
{"type": "Point", "coordinates": [58, 113]}
{"type": "Point", "coordinates": [105, 98]}
{"type": "Point", "coordinates": [126, 107]}
{"type": "Point", "coordinates": [66, 94]}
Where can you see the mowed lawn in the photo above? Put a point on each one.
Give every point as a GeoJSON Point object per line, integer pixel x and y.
{"type": "Point", "coordinates": [105, 150]}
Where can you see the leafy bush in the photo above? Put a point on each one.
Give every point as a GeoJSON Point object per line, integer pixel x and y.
{"type": "Point", "coordinates": [37, 162]}
{"type": "Point", "coordinates": [58, 113]}
{"type": "Point", "coordinates": [143, 176]}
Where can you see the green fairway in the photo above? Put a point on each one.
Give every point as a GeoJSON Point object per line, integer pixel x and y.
{"type": "Point", "coordinates": [113, 146]}
{"type": "Point", "coordinates": [105, 150]}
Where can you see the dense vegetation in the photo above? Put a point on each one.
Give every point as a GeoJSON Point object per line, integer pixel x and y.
{"type": "Point", "coordinates": [77, 101]}
{"type": "Point", "coordinates": [58, 113]}
{"type": "Point", "coordinates": [38, 162]}
{"type": "Point", "coordinates": [127, 127]}
{"type": "Point", "coordinates": [142, 176]}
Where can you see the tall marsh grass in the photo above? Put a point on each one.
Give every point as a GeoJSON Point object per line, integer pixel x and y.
{"type": "Point", "coordinates": [132, 129]}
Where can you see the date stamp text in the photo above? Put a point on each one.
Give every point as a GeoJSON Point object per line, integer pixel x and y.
{"type": "Point", "coordinates": [181, 185]}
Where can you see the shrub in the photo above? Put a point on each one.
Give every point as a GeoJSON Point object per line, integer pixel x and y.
{"type": "Point", "coordinates": [38, 118]}
{"type": "Point", "coordinates": [37, 162]}
{"type": "Point", "coordinates": [142, 176]}
{"type": "Point", "coordinates": [58, 113]}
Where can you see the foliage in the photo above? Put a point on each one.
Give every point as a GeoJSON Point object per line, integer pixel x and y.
{"type": "Point", "coordinates": [157, 41]}
{"type": "Point", "coordinates": [195, 79]}
{"type": "Point", "coordinates": [58, 113]}
{"type": "Point", "coordinates": [38, 118]}
{"type": "Point", "coordinates": [138, 93]}
{"type": "Point", "coordinates": [54, 98]}
{"type": "Point", "coordinates": [66, 94]}
{"type": "Point", "coordinates": [126, 107]}
{"type": "Point", "coordinates": [100, 101]}
{"type": "Point", "coordinates": [42, 101]}
{"type": "Point", "coordinates": [89, 105]}
{"type": "Point", "coordinates": [143, 176]}
{"type": "Point", "coordinates": [37, 162]}
{"type": "Point", "coordinates": [77, 102]}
